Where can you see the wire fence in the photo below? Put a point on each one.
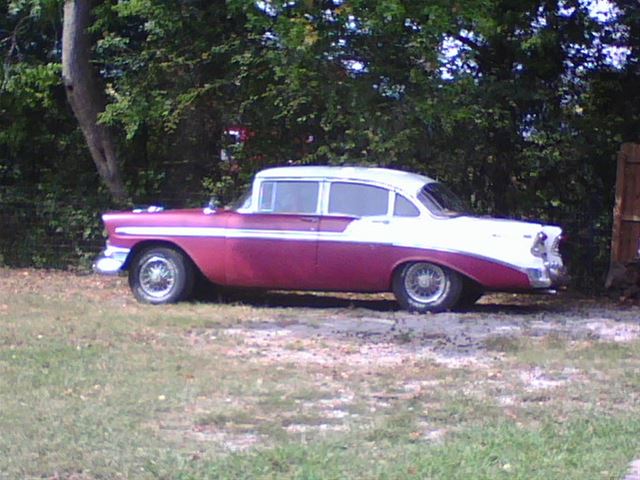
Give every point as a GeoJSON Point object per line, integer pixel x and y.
{"type": "Point", "coordinates": [62, 231]}
{"type": "Point", "coordinates": [35, 235]}
{"type": "Point", "coordinates": [67, 232]}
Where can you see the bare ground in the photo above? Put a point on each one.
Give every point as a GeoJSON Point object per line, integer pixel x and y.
{"type": "Point", "coordinates": [356, 329]}
{"type": "Point", "coordinates": [363, 353]}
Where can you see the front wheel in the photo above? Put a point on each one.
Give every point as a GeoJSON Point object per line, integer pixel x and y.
{"type": "Point", "coordinates": [425, 287]}
{"type": "Point", "coordinates": [160, 275]}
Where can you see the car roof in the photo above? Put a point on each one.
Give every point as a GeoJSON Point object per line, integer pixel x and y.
{"type": "Point", "coordinates": [407, 181]}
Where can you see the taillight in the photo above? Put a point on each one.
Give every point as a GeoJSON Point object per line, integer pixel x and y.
{"type": "Point", "coordinates": [538, 249]}
{"type": "Point", "coordinates": [558, 243]}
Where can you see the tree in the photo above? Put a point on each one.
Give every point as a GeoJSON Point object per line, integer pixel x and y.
{"type": "Point", "coordinates": [516, 103]}
{"type": "Point", "coordinates": [86, 95]}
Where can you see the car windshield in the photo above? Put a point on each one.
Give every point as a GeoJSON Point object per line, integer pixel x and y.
{"type": "Point", "coordinates": [442, 201]}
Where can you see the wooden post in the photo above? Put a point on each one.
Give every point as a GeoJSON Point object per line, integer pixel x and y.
{"type": "Point", "coordinates": [625, 236]}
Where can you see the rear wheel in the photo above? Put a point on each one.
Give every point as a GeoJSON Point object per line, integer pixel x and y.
{"type": "Point", "coordinates": [161, 275]}
{"type": "Point", "coordinates": [426, 287]}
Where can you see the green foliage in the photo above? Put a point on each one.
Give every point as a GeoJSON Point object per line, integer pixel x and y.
{"type": "Point", "coordinates": [32, 84]}
{"type": "Point", "coordinates": [518, 105]}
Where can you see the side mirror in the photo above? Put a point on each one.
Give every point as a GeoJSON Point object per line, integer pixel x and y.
{"type": "Point", "coordinates": [212, 206]}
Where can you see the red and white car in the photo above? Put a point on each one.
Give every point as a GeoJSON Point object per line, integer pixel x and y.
{"type": "Point", "coordinates": [349, 229]}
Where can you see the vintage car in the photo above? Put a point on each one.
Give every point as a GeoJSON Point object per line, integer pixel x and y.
{"type": "Point", "coordinates": [352, 229]}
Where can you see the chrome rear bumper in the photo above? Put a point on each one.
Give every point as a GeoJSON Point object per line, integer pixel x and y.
{"type": "Point", "coordinates": [559, 275]}
{"type": "Point", "coordinates": [551, 275]}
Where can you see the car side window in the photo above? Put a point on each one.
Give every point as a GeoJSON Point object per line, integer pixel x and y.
{"type": "Point", "coordinates": [283, 196]}
{"type": "Point", "coordinates": [358, 199]}
{"type": "Point", "coordinates": [404, 208]}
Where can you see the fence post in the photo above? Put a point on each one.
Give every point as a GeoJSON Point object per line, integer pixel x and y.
{"type": "Point", "coordinates": [626, 213]}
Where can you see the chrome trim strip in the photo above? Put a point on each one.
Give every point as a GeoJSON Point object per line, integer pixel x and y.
{"type": "Point", "coordinates": [216, 232]}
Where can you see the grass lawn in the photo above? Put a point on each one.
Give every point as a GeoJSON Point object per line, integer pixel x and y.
{"type": "Point", "coordinates": [93, 385]}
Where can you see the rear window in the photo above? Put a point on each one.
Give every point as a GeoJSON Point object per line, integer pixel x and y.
{"type": "Point", "coordinates": [358, 200]}
{"type": "Point", "coordinates": [404, 208]}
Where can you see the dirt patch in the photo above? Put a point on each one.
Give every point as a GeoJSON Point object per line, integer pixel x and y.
{"type": "Point", "coordinates": [350, 343]}
{"type": "Point", "coordinates": [355, 337]}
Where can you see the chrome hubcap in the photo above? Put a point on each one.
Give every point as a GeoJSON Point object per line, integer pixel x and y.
{"type": "Point", "coordinates": [157, 276]}
{"type": "Point", "coordinates": [425, 283]}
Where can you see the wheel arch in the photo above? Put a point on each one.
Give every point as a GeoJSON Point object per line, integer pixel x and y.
{"type": "Point", "coordinates": [489, 273]}
{"type": "Point", "coordinates": [406, 261]}
{"type": "Point", "coordinates": [432, 296]}
{"type": "Point", "coordinates": [146, 244]}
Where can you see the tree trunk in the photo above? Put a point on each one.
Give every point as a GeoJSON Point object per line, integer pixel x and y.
{"type": "Point", "coordinates": [86, 96]}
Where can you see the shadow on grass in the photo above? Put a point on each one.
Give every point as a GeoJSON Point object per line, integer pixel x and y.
{"type": "Point", "coordinates": [491, 304]}
{"type": "Point", "coordinates": [280, 299]}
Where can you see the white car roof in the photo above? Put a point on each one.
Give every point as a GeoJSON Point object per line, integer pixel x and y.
{"type": "Point", "coordinates": [406, 181]}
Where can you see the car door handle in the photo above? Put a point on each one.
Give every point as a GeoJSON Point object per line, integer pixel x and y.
{"type": "Point", "coordinates": [309, 219]}
{"type": "Point", "coordinates": [383, 222]}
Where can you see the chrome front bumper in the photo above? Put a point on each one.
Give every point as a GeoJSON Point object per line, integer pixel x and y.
{"type": "Point", "coordinates": [111, 260]}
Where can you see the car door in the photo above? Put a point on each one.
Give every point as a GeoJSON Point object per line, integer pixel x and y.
{"type": "Point", "coordinates": [275, 245]}
{"type": "Point", "coordinates": [355, 240]}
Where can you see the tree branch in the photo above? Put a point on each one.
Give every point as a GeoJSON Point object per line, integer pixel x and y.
{"type": "Point", "coordinates": [466, 41]}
